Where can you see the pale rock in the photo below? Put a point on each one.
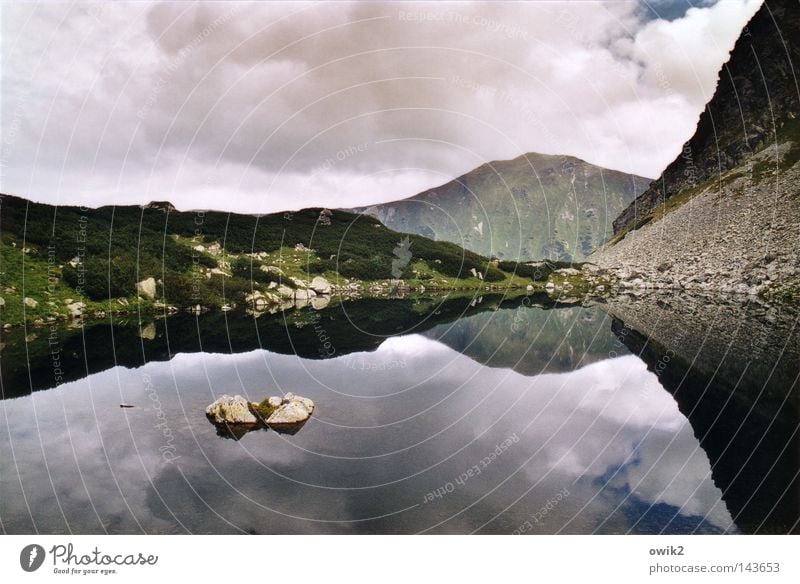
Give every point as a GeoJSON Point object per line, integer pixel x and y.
{"type": "Point", "coordinates": [320, 285]}
{"type": "Point", "coordinates": [293, 410]}
{"type": "Point", "coordinates": [303, 294]}
{"type": "Point", "coordinates": [231, 410]}
{"type": "Point", "coordinates": [148, 333]}
{"type": "Point", "coordinates": [257, 300]}
{"type": "Point", "coordinates": [147, 288]}
{"type": "Point", "coordinates": [76, 309]}
{"type": "Point", "coordinates": [320, 302]}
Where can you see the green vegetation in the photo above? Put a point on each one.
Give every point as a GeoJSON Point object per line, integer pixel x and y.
{"type": "Point", "coordinates": [536, 271]}
{"type": "Point", "coordinates": [263, 410]}
{"type": "Point", "coordinates": [533, 207]}
{"type": "Point", "coordinates": [212, 259]}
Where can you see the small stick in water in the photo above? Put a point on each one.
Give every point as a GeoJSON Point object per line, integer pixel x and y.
{"type": "Point", "coordinates": [126, 406]}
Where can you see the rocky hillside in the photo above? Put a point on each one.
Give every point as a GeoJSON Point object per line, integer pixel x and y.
{"type": "Point", "coordinates": [530, 208]}
{"type": "Point", "coordinates": [757, 94]}
{"type": "Point", "coordinates": [725, 215]}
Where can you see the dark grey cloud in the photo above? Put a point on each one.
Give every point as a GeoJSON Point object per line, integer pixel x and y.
{"type": "Point", "coordinates": [261, 107]}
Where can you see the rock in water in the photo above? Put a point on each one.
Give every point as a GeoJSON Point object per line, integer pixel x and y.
{"type": "Point", "coordinates": [231, 410]}
{"type": "Point", "coordinates": [293, 410]}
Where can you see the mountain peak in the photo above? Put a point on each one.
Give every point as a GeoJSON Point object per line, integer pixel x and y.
{"type": "Point", "coordinates": [535, 206]}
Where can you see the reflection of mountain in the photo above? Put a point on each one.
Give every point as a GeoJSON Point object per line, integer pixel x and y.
{"type": "Point", "coordinates": [734, 372]}
{"type": "Point", "coordinates": [36, 362]}
{"type": "Point", "coordinates": [533, 207]}
{"type": "Point", "coordinates": [531, 341]}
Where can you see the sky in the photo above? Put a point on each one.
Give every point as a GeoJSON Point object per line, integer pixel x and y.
{"type": "Point", "coordinates": [265, 107]}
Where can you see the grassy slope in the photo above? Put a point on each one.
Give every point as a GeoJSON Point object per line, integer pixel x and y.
{"type": "Point", "coordinates": [119, 246]}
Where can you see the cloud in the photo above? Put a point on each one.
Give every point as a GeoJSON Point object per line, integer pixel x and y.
{"type": "Point", "coordinates": [263, 107]}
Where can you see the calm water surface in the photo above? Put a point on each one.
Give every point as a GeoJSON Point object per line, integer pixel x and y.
{"type": "Point", "coordinates": [489, 419]}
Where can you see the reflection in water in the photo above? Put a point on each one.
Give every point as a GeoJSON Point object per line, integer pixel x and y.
{"type": "Point", "coordinates": [733, 370]}
{"type": "Point", "coordinates": [404, 439]}
{"type": "Point", "coordinates": [41, 358]}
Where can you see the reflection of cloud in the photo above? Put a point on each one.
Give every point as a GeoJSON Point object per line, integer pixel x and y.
{"type": "Point", "coordinates": [379, 440]}
{"type": "Point", "coordinates": [608, 414]}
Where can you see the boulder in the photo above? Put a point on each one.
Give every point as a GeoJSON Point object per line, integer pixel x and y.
{"type": "Point", "coordinates": [320, 285]}
{"type": "Point", "coordinates": [271, 269]}
{"type": "Point", "coordinates": [293, 410]}
{"type": "Point", "coordinates": [320, 302]}
{"type": "Point", "coordinates": [76, 309]}
{"type": "Point", "coordinates": [147, 288]}
{"type": "Point", "coordinates": [303, 294]}
{"type": "Point", "coordinates": [231, 410]}
{"type": "Point", "coordinates": [257, 300]}
{"type": "Point", "coordinates": [284, 290]}
{"type": "Point", "coordinates": [30, 302]}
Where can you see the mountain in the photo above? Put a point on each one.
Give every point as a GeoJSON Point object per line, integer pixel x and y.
{"type": "Point", "coordinates": [533, 207]}
{"type": "Point", "coordinates": [63, 262]}
{"type": "Point", "coordinates": [725, 214]}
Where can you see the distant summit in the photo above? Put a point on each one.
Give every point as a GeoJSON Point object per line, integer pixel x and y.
{"type": "Point", "coordinates": [533, 207]}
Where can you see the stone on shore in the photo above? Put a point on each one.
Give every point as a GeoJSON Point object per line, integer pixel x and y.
{"type": "Point", "coordinates": [147, 288]}
{"type": "Point", "coordinates": [320, 285]}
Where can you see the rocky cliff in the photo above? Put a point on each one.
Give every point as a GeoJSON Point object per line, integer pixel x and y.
{"type": "Point", "coordinates": [757, 94]}
{"type": "Point", "coordinates": [533, 207]}
{"type": "Point", "coordinates": [725, 215]}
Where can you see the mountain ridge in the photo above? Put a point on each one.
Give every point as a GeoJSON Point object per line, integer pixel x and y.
{"type": "Point", "coordinates": [532, 207]}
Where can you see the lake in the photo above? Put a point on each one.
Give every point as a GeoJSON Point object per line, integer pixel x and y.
{"type": "Point", "coordinates": [657, 414]}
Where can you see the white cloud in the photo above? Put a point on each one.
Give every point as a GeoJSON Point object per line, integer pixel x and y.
{"type": "Point", "coordinates": [131, 102]}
